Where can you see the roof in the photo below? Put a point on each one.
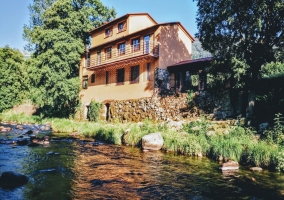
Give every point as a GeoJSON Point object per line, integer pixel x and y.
{"type": "Point", "coordinates": [121, 18]}
{"type": "Point", "coordinates": [190, 64]}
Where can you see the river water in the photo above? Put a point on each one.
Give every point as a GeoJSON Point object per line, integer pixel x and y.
{"type": "Point", "coordinates": [69, 168]}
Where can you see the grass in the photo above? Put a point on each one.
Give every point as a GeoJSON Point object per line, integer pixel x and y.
{"type": "Point", "coordinates": [262, 153]}
{"type": "Point", "coordinates": [230, 142]}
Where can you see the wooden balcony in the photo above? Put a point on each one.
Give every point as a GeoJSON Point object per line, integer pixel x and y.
{"type": "Point", "coordinates": [127, 52]}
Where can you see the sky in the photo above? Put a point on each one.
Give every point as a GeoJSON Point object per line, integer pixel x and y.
{"type": "Point", "coordinates": [14, 14]}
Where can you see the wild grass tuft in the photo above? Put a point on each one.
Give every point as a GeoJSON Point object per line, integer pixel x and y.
{"type": "Point", "coordinates": [19, 118]}
{"type": "Point", "coordinates": [227, 147]}
{"type": "Point", "coordinates": [262, 154]}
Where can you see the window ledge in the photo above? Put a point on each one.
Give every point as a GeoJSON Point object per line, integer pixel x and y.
{"type": "Point", "coordinates": [107, 36]}
{"type": "Point", "coordinates": [134, 82]}
{"type": "Point", "coordinates": [120, 31]}
{"type": "Point", "coordinates": [119, 83]}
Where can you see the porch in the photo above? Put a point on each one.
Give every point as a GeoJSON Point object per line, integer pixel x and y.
{"type": "Point", "coordinates": [182, 74]}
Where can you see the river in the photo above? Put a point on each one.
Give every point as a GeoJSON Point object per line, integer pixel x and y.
{"type": "Point", "coordinates": [69, 168]}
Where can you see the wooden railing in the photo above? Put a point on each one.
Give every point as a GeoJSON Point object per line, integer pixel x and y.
{"type": "Point", "coordinates": [129, 51]}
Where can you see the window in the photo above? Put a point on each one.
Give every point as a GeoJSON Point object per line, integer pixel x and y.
{"type": "Point", "coordinates": [148, 71]}
{"type": "Point", "coordinates": [135, 45]}
{"type": "Point", "coordinates": [146, 44]}
{"type": "Point", "coordinates": [120, 76]}
{"type": "Point", "coordinates": [106, 77]}
{"type": "Point", "coordinates": [99, 57]}
{"type": "Point", "coordinates": [121, 26]}
{"type": "Point", "coordinates": [108, 52]}
{"type": "Point", "coordinates": [108, 32]}
{"type": "Point", "coordinates": [134, 74]}
{"type": "Point", "coordinates": [85, 82]}
{"type": "Point", "coordinates": [93, 78]}
{"type": "Point", "coordinates": [121, 49]}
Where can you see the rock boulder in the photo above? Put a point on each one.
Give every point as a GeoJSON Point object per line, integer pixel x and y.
{"type": "Point", "coordinates": [152, 141]}
{"type": "Point", "coordinates": [12, 180]}
{"type": "Point", "coordinates": [230, 165]}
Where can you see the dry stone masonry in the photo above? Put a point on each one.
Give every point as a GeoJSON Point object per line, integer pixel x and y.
{"type": "Point", "coordinates": [155, 108]}
{"type": "Point", "coordinates": [168, 108]}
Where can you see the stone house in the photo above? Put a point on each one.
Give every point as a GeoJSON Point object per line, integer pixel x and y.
{"type": "Point", "coordinates": [129, 56]}
{"type": "Point", "coordinates": [141, 69]}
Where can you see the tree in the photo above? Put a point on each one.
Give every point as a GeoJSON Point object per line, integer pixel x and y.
{"type": "Point", "coordinates": [272, 69]}
{"type": "Point", "coordinates": [244, 35]}
{"type": "Point", "coordinates": [59, 37]}
{"type": "Point", "coordinates": [13, 81]}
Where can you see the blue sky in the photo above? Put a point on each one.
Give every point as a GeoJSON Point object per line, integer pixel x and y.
{"type": "Point", "coordinates": [15, 13]}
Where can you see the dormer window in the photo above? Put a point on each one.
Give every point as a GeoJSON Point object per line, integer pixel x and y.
{"type": "Point", "coordinates": [108, 32]}
{"type": "Point", "coordinates": [121, 26]}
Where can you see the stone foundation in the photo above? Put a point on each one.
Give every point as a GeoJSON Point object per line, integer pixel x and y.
{"type": "Point", "coordinates": [155, 108]}
{"type": "Point", "coordinates": [167, 108]}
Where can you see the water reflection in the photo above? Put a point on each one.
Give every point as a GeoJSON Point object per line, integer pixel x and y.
{"type": "Point", "coordinates": [81, 169]}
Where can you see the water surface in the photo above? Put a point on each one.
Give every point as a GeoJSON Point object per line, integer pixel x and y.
{"type": "Point", "coordinates": [87, 169]}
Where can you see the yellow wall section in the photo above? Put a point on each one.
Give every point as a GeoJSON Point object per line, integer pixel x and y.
{"type": "Point", "coordinates": [139, 22]}
{"type": "Point", "coordinates": [100, 91]}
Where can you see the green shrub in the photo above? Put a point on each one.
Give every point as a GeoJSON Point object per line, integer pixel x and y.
{"type": "Point", "coordinates": [190, 97]}
{"type": "Point", "coordinates": [94, 111]}
{"type": "Point", "coordinates": [197, 127]}
{"type": "Point", "coordinates": [280, 160]}
{"type": "Point", "coordinates": [275, 135]}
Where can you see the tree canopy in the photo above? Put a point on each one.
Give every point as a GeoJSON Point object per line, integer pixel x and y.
{"type": "Point", "coordinates": [13, 81]}
{"type": "Point", "coordinates": [58, 33]}
{"type": "Point", "coordinates": [242, 35]}
{"type": "Point", "coordinates": [246, 33]}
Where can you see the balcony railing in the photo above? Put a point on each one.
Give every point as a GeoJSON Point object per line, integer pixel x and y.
{"type": "Point", "coordinates": [125, 52]}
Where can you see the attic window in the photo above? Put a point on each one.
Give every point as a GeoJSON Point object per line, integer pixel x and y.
{"type": "Point", "coordinates": [108, 32]}
{"type": "Point", "coordinates": [121, 26]}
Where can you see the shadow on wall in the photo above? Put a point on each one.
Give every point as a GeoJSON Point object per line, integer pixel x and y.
{"type": "Point", "coordinates": [172, 48]}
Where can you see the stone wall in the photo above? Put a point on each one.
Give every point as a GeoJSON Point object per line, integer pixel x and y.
{"type": "Point", "coordinates": [155, 108]}
{"type": "Point", "coordinates": [217, 106]}
{"type": "Point", "coordinates": [172, 107]}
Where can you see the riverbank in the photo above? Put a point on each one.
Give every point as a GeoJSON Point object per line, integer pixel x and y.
{"type": "Point", "coordinates": [218, 140]}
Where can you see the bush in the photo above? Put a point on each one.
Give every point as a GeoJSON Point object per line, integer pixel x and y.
{"type": "Point", "coordinates": [280, 160]}
{"type": "Point", "coordinates": [190, 98]}
{"type": "Point", "coordinates": [197, 127]}
{"type": "Point", "coordinates": [14, 86]}
{"type": "Point", "coordinates": [94, 111]}
{"type": "Point", "coordinates": [275, 135]}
